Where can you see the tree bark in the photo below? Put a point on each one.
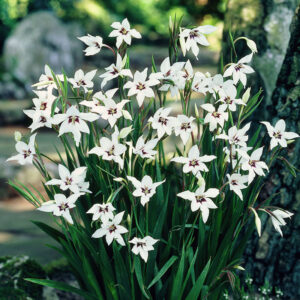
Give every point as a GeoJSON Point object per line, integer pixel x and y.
{"type": "Point", "coordinates": [271, 257]}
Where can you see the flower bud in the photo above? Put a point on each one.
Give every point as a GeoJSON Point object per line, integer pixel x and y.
{"type": "Point", "coordinates": [18, 136]}
{"type": "Point", "coordinates": [126, 115]}
{"type": "Point", "coordinates": [201, 180]}
{"type": "Point", "coordinates": [170, 23]}
{"type": "Point", "coordinates": [196, 111]}
{"type": "Point", "coordinates": [252, 45]}
{"type": "Point", "coordinates": [182, 43]}
{"type": "Point", "coordinates": [246, 95]}
{"type": "Point", "coordinates": [125, 131]}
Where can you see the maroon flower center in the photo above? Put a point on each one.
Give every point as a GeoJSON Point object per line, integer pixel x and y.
{"type": "Point", "coordinates": [81, 82]}
{"type": "Point", "coordinates": [114, 71]}
{"type": "Point", "coordinates": [141, 244]}
{"type": "Point", "coordinates": [112, 111]}
{"type": "Point", "coordinates": [252, 163]}
{"type": "Point", "coordinates": [68, 181]}
{"type": "Point", "coordinates": [43, 119]}
{"type": "Point", "coordinates": [185, 126]}
{"type": "Point", "coordinates": [234, 182]}
{"type": "Point", "coordinates": [163, 120]}
{"type": "Point", "coordinates": [200, 199]}
{"type": "Point", "coordinates": [43, 106]}
{"type": "Point", "coordinates": [63, 206]}
{"type": "Point", "coordinates": [103, 209]}
{"type": "Point", "coordinates": [216, 114]}
{"type": "Point", "coordinates": [146, 190]}
{"type": "Point", "coordinates": [194, 163]}
{"type": "Point", "coordinates": [112, 228]}
{"type": "Point", "coordinates": [26, 153]}
{"type": "Point", "coordinates": [227, 100]}
{"type": "Point", "coordinates": [123, 31]}
{"type": "Point", "coordinates": [111, 151]}
{"type": "Point", "coordinates": [140, 86]}
{"type": "Point", "coordinates": [277, 135]}
{"type": "Point", "coordinates": [73, 119]}
{"type": "Point", "coordinates": [238, 67]}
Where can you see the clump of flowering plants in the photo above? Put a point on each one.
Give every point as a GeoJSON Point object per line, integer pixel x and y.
{"type": "Point", "coordinates": [133, 220]}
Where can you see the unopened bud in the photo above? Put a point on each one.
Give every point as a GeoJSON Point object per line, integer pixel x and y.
{"type": "Point", "coordinates": [170, 23]}
{"type": "Point", "coordinates": [126, 115]}
{"type": "Point", "coordinates": [18, 136]}
{"type": "Point", "coordinates": [196, 111]}
{"type": "Point", "coordinates": [246, 95]}
{"type": "Point", "coordinates": [125, 131]}
{"type": "Point", "coordinates": [252, 45]}
{"type": "Point", "coordinates": [201, 180]}
{"type": "Point", "coordinates": [182, 43]}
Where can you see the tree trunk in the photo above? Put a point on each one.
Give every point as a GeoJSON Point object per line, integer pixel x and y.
{"type": "Point", "coordinates": [271, 257]}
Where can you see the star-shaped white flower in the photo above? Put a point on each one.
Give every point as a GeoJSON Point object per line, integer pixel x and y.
{"type": "Point", "coordinates": [214, 117]}
{"type": "Point", "coordinates": [168, 73]}
{"type": "Point", "coordinates": [200, 83]}
{"type": "Point", "coordinates": [115, 70]}
{"type": "Point", "coordinates": [61, 206]}
{"type": "Point", "coordinates": [278, 134]}
{"type": "Point", "coordinates": [104, 212]}
{"type": "Point", "coordinates": [145, 188]}
{"type": "Point", "coordinates": [73, 121]}
{"type": "Point", "coordinates": [123, 32]}
{"type": "Point", "coordinates": [47, 81]}
{"type": "Point", "coordinates": [110, 149]}
{"type": "Point", "coordinates": [277, 217]}
{"type": "Point", "coordinates": [111, 111]}
{"type": "Point", "coordinates": [98, 99]}
{"type": "Point", "coordinates": [252, 163]}
{"type": "Point", "coordinates": [162, 122]}
{"type": "Point", "coordinates": [196, 36]}
{"type": "Point", "coordinates": [184, 127]}
{"type": "Point", "coordinates": [94, 44]}
{"type": "Point", "coordinates": [239, 70]}
{"type": "Point", "coordinates": [237, 183]}
{"type": "Point", "coordinates": [71, 180]}
{"type": "Point", "coordinates": [145, 150]}
{"type": "Point", "coordinates": [140, 86]}
{"type": "Point", "coordinates": [112, 230]}
{"type": "Point", "coordinates": [83, 80]}
{"type": "Point", "coordinates": [26, 152]}
{"type": "Point", "coordinates": [228, 98]}
{"type": "Point", "coordinates": [143, 246]}
{"type": "Point", "coordinates": [194, 162]}
{"type": "Point", "coordinates": [236, 136]}
{"type": "Point", "coordinates": [201, 200]}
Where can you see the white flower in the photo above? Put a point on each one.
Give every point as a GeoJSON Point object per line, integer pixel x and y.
{"type": "Point", "coordinates": [278, 134]}
{"type": "Point", "coordinates": [72, 181]}
{"type": "Point", "coordinates": [194, 162]}
{"type": "Point", "coordinates": [251, 44]}
{"type": "Point", "coordinates": [115, 70]}
{"type": "Point", "coordinates": [236, 136]}
{"type": "Point", "coordinates": [201, 200]}
{"type": "Point", "coordinates": [196, 36]}
{"type": "Point", "coordinates": [184, 127]}
{"type": "Point", "coordinates": [111, 111]}
{"type": "Point", "coordinates": [123, 32]}
{"type": "Point", "coordinates": [81, 80]}
{"type": "Point", "coordinates": [104, 212]}
{"type": "Point", "coordinates": [74, 121]}
{"type": "Point", "coordinates": [140, 86]}
{"type": "Point", "coordinates": [214, 117]}
{"type": "Point", "coordinates": [236, 183]}
{"type": "Point", "coordinates": [162, 122]}
{"type": "Point", "coordinates": [145, 150]}
{"type": "Point", "coordinates": [60, 206]}
{"type": "Point", "coordinates": [277, 217]}
{"type": "Point", "coordinates": [200, 83]}
{"type": "Point", "coordinates": [253, 164]}
{"type": "Point", "coordinates": [40, 118]}
{"type": "Point", "coordinates": [143, 246]}
{"type": "Point", "coordinates": [145, 188]}
{"type": "Point", "coordinates": [110, 149]}
{"type": "Point", "coordinates": [218, 83]}
{"type": "Point", "coordinates": [26, 151]}
{"type": "Point", "coordinates": [228, 98]}
{"type": "Point", "coordinates": [239, 70]}
{"type": "Point", "coordinates": [168, 73]}
{"type": "Point", "coordinates": [94, 44]}
{"type": "Point", "coordinates": [235, 154]}
{"type": "Point", "coordinates": [112, 230]}
{"type": "Point", "coordinates": [47, 80]}
{"type": "Point", "coordinates": [98, 99]}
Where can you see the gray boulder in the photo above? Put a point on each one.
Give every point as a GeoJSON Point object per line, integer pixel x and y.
{"type": "Point", "coordinates": [42, 39]}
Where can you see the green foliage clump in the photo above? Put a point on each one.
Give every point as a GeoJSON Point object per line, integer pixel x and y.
{"type": "Point", "coordinates": [13, 270]}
